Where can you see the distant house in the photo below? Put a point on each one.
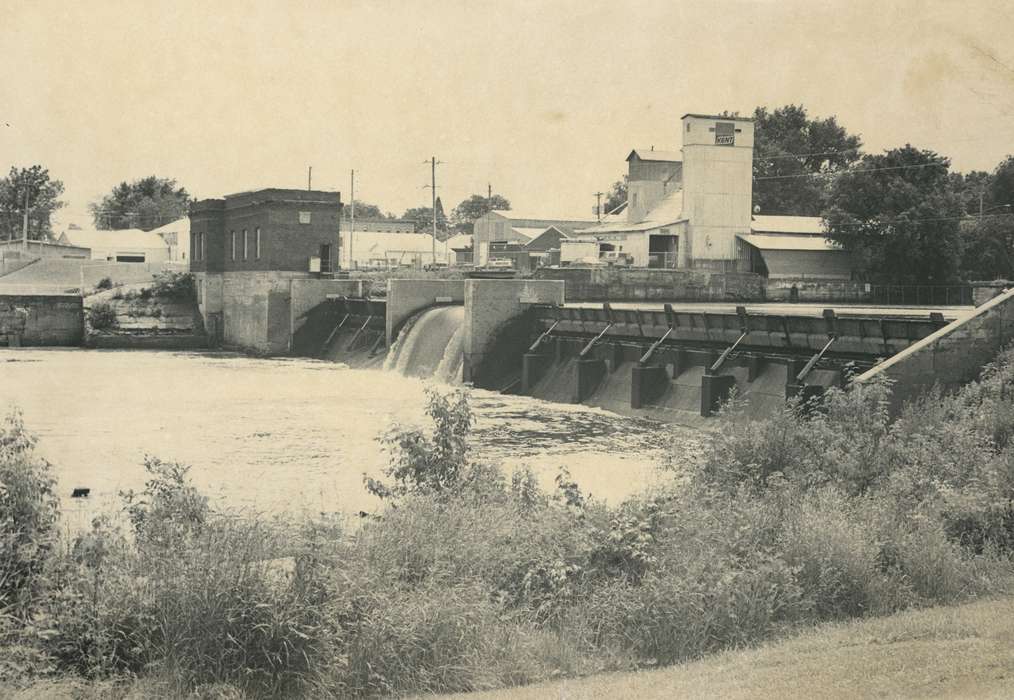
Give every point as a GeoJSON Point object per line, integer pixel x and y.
{"type": "Point", "coordinates": [518, 227]}
{"type": "Point", "coordinates": [460, 250]}
{"type": "Point", "coordinates": [177, 237]}
{"type": "Point", "coordinates": [122, 245]}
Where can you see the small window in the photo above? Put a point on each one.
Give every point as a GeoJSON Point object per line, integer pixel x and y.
{"type": "Point", "coordinates": [245, 245]}
{"type": "Point", "coordinates": [233, 244]}
{"type": "Point", "coordinates": [257, 243]}
{"type": "Point", "coordinates": [633, 200]}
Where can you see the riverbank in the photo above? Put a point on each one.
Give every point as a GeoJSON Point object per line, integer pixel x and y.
{"type": "Point", "coordinates": [469, 578]}
{"type": "Point", "coordinates": [960, 651]}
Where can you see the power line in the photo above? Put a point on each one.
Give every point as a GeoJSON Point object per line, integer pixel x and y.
{"type": "Point", "coordinates": [967, 217]}
{"type": "Point", "coordinates": [853, 170]}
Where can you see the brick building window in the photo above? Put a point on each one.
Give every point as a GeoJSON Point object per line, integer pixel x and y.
{"type": "Point", "coordinates": [233, 244]}
{"type": "Point", "coordinates": [257, 243]}
{"type": "Point", "coordinates": [245, 246]}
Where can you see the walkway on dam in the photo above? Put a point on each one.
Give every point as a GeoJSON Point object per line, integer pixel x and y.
{"type": "Point", "coordinates": [950, 313]}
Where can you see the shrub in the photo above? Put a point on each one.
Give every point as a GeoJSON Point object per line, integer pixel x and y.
{"type": "Point", "coordinates": [29, 509]}
{"type": "Point", "coordinates": [101, 316]}
{"type": "Point", "coordinates": [104, 283]}
{"type": "Point", "coordinates": [172, 285]}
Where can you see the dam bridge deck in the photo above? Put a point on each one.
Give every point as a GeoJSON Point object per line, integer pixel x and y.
{"type": "Point", "coordinates": [687, 357]}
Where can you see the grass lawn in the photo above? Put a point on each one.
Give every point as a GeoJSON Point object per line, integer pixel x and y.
{"type": "Point", "coordinates": [962, 651]}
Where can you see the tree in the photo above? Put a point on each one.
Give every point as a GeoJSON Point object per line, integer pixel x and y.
{"type": "Point", "coordinates": [476, 206]}
{"type": "Point", "coordinates": [989, 246]}
{"type": "Point", "coordinates": [616, 196]}
{"type": "Point", "coordinates": [364, 210]}
{"type": "Point", "coordinates": [145, 204]}
{"type": "Point", "coordinates": [1000, 190]}
{"type": "Point", "coordinates": [795, 159]}
{"type": "Point", "coordinates": [422, 217]}
{"type": "Point", "coordinates": [973, 188]}
{"type": "Point", "coordinates": [898, 214]}
{"type": "Point", "coordinates": [43, 199]}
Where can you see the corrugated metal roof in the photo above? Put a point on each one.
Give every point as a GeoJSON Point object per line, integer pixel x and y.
{"type": "Point", "coordinates": [775, 241]}
{"type": "Point", "coordinates": [787, 224]}
{"type": "Point", "coordinates": [665, 156]}
{"type": "Point", "coordinates": [522, 215]}
{"type": "Point", "coordinates": [667, 212]}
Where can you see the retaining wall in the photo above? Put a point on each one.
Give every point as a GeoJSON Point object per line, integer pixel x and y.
{"type": "Point", "coordinates": [51, 319]}
{"type": "Point", "coordinates": [406, 297]}
{"type": "Point", "coordinates": [951, 356]}
{"type": "Point", "coordinates": [489, 305]}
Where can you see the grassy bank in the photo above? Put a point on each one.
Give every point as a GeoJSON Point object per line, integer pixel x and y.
{"type": "Point", "coordinates": [964, 651]}
{"type": "Point", "coordinates": [473, 580]}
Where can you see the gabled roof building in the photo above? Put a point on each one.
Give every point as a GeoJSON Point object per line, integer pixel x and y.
{"type": "Point", "coordinates": [692, 209]}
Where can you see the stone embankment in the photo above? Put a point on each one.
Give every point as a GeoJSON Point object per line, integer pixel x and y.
{"type": "Point", "coordinates": [143, 321]}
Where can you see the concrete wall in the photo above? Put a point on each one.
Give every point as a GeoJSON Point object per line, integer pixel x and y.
{"type": "Point", "coordinates": [255, 310]}
{"type": "Point", "coordinates": [616, 284]}
{"type": "Point", "coordinates": [51, 319]}
{"type": "Point", "coordinates": [489, 304]}
{"type": "Point", "coordinates": [953, 355]}
{"type": "Point", "coordinates": [406, 297]}
{"type": "Point", "coordinates": [305, 294]}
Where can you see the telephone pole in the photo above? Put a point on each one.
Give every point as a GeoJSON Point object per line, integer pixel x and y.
{"type": "Point", "coordinates": [433, 191]}
{"type": "Point", "coordinates": [598, 205]}
{"type": "Point", "coordinates": [24, 228]}
{"type": "Point", "coordinates": [309, 178]}
{"type": "Point", "coordinates": [352, 228]}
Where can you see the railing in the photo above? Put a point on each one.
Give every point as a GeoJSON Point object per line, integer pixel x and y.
{"type": "Point", "coordinates": [922, 295]}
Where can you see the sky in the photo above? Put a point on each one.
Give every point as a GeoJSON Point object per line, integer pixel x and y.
{"type": "Point", "coordinates": [541, 99]}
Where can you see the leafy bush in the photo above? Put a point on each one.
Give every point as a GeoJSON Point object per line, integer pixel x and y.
{"type": "Point", "coordinates": [101, 316]}
{"type": "Point", "coordinates": [29, 509]}
{"type": "Point", "coordinates": [172, 285]}
{"type": "Point", "coordinates": [104, 283]}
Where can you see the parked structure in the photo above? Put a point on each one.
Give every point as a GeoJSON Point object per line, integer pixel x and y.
{"type": "Point", "coordinates": [130, 245]}
{"type": "Point", "coordinates": [177, 236]}
{"type": "Point", "coordinates": [692, 209]}
{"type": "Point", "coordinates": [247, 248]}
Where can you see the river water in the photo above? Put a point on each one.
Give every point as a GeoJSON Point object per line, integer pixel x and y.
{"type": "Point", "coordinates": [291, 435]}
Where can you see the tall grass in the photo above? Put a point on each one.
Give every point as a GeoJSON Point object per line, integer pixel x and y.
{"type": "Point", "coordinates": [470, 579]}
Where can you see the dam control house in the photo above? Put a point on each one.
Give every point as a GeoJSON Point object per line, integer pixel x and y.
{"type": "Point", "coordinates": [247, 248]}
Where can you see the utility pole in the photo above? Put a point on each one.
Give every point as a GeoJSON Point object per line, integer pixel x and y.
{"type": "Point", "coordinates": [24, 228]}
{"type": "Point", "coordinates": [433, 191]}
{"type": "Point", "coordinates": [309, 178]}
{"type": "Point", "coordinates": [352, 229]}
{"type": "Point", "coordinates": [598, 205]}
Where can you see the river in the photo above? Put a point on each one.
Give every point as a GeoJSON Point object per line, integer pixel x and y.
{"type": "Point", "coordinates": [290, 435]}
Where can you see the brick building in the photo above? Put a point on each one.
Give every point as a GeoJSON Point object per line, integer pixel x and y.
{"type": "Point", "coordinates": [245, 250]}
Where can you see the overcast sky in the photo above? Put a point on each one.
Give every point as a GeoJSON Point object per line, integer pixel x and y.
{"type": "Point", "coordinates": [542, 99]}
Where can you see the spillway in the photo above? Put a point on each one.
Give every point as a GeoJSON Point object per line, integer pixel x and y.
{"type": "Point", "coordinates": [430, 345]}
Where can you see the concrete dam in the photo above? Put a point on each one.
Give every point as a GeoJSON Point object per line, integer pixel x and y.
{"type": "Point", "coordinates": [676, 363]}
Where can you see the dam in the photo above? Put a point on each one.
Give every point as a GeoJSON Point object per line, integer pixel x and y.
{"type": "Point", "coordinates": [670, 362]}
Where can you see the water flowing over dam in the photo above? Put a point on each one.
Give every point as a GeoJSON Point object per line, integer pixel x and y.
{"type": "Point", "coordinates": [430, 345]}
